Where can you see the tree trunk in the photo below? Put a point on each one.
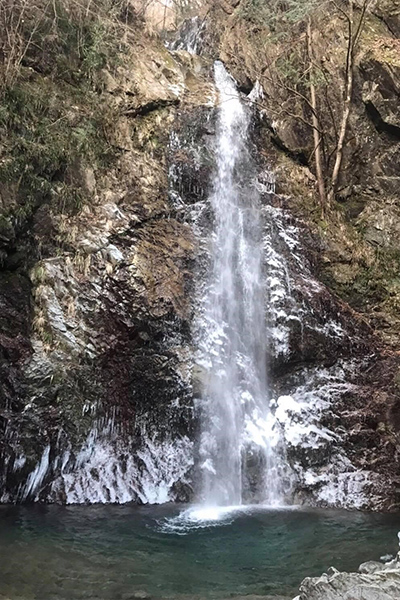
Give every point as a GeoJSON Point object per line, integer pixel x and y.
{"type": "Point", "coordinates": [316, 124]}
{"type": "Point", "coordinates": [348, 96]}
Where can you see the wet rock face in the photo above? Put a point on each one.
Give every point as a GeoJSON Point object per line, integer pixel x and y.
{"type": "Point", "coordinates": [318, 345]}
{"type": "Point", "coordinates": [96, 401]}
{"type": "Point", "coordinates": [98, 354]}
{"type": "Point", "coordinates": [110, 343]}
{"type": "Point", "coordinates": [106, 373]}
{"type": "Point", "coordinates": [353, 252]}
{"type": "Point", "coordinates": [339, 454]}
{"type": "Point", "coordinates": [388, 11]}
{"type": "Point", "coordinates": [15, 348]}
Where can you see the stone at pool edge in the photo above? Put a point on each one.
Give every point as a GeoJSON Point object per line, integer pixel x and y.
{"type": "Point", "coordinates": [375, 581]}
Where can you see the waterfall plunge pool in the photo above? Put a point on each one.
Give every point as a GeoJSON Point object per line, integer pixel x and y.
{"type": "Point", "coordinates": [127, 552]}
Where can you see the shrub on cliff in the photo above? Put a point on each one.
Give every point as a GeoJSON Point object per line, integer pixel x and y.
{"type": "Point", "coordinates": [52, 119]}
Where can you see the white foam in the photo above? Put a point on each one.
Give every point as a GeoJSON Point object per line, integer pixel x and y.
{"type": "Point", "coordinates": [203, 517]}
{"type": "Point", "coordinates": [211, 513]}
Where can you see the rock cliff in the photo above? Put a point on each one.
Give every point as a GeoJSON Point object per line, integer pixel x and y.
{"type": "Point", "coordinates": [96, 301]}
{"type": "Point", "coordinates": [375, 580]}
{"type": "Point", "coordinates": [352, 250]}
{"type": "Point", "coordinates": [106, 157]}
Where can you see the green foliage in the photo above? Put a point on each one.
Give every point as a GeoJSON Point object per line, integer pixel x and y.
{"type": "Point", "coordinates": [291, 67]}
{"type": "Point", "coordinates": [62, 38]}
{"type": "Point", "coordinates": [49, 130]}
{"type": "Point", "coordinates": [375, 285]}
{"type": "Point", "coordinates": [277, 15]}
{"type": "Point", "coordinates": [95, 51]}
{"type": "Point", "coordinates": [284, 22]}
{"type": "Point", "coordinates": [52, 122]}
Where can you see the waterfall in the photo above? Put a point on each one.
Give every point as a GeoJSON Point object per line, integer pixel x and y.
{"type": "Point", "coordinates": [237, 460]}
{"type": "Point", "coordinates": [190, 36]}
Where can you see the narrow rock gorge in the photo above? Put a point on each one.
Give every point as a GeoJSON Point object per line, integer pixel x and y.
{"type": "Point", "coordinates": [108, 154]}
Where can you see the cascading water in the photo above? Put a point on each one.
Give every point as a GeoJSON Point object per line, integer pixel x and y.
{"type": "Point", "coordinates": [236, 457]}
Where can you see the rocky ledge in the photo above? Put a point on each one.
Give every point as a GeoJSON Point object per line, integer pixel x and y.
{"type": "Point", "coordinates": [374, 581]}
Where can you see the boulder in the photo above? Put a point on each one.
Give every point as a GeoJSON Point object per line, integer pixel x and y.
{"type": "Point", "coordinates": [375, 581]}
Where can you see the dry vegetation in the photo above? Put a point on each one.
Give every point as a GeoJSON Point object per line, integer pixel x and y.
{"type": "Point", "coordinates": [299, 73]}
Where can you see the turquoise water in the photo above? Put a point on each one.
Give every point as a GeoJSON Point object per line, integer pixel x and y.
{"type": "Point", "coordinates": [125, 552]}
